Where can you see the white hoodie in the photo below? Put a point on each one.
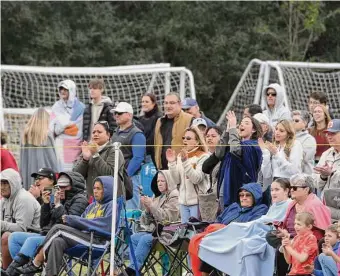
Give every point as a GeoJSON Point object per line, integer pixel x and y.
{"type": "Point", "coordinates": [279, 112]}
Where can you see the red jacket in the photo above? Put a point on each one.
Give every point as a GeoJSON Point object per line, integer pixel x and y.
{"type": "Point", "coordinates": [7, 160]}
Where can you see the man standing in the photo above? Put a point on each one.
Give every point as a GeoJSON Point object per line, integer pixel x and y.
{"type": "Point", "coordinates": [133, 147]}
{"type": "Point", "coordinates": [98, 109]}
{"type": "Point", "coordinates": [328, 170]}
{"type": "Point", "coordinates": [275, 109]}
{"type": "Point", "coordinates": [190, 106]}
{"type": "Point", "coordinates": [170, 129]}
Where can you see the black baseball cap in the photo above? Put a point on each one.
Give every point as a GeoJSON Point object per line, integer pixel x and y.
{"type": "Point", "coordinates": [47, 172]}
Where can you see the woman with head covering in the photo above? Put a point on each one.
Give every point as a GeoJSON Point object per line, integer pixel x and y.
{"type": "Point", "coordinates": [67, 124]}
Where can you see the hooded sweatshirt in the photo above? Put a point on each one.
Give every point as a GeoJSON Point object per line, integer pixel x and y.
{"type": "Point", "coordinates": [21, 209]}
{"type": "Point", "coordinates": [236, 213]}
{"type": "Point", "coordinates": [75, 203]}
{"type": "Point", "coordinates": [67, 126]}
{"type": "Point", "coordinates": [164, 208]}
{"type": "Point", "coordinates": [279, 112]}
{"type": "Point", "coordinates": [309, 149]}
{"type": "Point", "coordinates": [98, 215]}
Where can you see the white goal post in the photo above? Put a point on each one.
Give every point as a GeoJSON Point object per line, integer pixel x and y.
{"type": "Point", "coordinates": [299, 80]}
{"type": "Point", "coordinates": [24, 88]}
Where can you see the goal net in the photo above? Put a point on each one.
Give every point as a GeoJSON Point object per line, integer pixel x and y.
{"type": "Point", "coordinates": [299, 80]}
{"type": "Point", "coordinates": [26, 88]}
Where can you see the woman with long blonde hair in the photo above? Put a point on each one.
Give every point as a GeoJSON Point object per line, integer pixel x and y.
{"type": "Point", "coordinates": [283, 157]}
{"type": "Point", "coordinates": [321, 119]}
{"type": "Point", "coordinates": [186, 171]}
{"type": "Point", "coordinates": [37, 147]}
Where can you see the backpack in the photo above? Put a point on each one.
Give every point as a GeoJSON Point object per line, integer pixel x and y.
{"type": "Point", "coordinates": [128, 185]}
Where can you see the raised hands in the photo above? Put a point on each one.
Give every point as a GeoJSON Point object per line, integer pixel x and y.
{"type": "Point", "coordinates": [170, 155]}
{"type": "Point", "coordinates": [88, 149]}
{"type": "Point", "coordinates": [184, 155]}
{"type": "Point", "coordinates": [231, 119]}
{"type": "Point", "coordinates": [325, 170]}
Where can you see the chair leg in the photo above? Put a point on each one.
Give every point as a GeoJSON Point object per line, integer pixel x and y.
{"type": "Point", "coordinates": [90, 256]}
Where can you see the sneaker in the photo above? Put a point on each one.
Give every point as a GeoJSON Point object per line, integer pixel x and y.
{"type": "Point", "coordinates": [29, 268]}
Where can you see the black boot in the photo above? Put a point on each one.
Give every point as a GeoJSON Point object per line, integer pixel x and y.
{"type": "Point", "coordinates": [11, 269]}
{"type": "Point", "coordinates": [29, 268]}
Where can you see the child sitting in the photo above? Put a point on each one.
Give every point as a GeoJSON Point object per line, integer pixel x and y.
{"type": "Point", "coordinates": [324, 264]}
{"type": "Point", "coordinates": [302, 250]}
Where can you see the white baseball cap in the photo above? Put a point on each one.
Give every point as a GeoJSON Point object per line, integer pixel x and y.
{"type": "Point", "coordinates": [199, 121]}
{"type": "Point", "coordinates": [262, 118]}
{"type": "Point", "coordinates": [123, 107]}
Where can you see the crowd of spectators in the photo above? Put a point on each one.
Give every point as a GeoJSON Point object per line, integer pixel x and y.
{"type": "Point", "coordinates": [273, 177]}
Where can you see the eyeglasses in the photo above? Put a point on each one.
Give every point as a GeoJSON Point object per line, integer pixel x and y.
{"type": "Point", "coordinates": [244, 195]}
{"type": "Point", "coordinates": [171, 102]}
{"type": "Point", "coordinates": [187, 138]}
{"type": "Point", "coordinates": [103, 123]}
{"type": "Point", "coordinates": [294, 188]}
{"type": "Point", "coordinates": [119, 113]}
{"type": "Point", "coordinates": [38, 178]}
{"type": "Point", "coordinates": [271, 94]}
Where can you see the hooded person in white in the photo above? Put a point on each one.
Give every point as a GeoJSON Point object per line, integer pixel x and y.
{"type": "Point", "coordinates": [67, 123]}
{"type": "Point", "coordinates": [19, 209]}
{"type": "Point", "coordinates": [274, 108]}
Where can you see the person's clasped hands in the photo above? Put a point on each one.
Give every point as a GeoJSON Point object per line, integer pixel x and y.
{"type": "Point", "coordinates": [89, 149]}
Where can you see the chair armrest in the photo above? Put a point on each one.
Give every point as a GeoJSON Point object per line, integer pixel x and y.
{"type": "Point", "coordinates": [100, 233]}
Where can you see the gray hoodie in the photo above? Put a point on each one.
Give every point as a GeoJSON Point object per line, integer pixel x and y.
{"type": "Point", "coordinates": [279, 112]}
{"type": "Point", "coordinates": [309, 149]}
{"type": "Point", "coordinates": [21, 209]}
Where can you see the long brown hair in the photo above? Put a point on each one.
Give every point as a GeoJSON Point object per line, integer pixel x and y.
{"type": "Point", "coordinates": [287, 125]}
{"type": "Point", "coordinates": [313, 130]}
{"type": "Point", "coordinates": [256, 127]}
{"type": "Point", "coordinates": [36, 129]}
{"type": "Point", "coordinates": [202, 146]}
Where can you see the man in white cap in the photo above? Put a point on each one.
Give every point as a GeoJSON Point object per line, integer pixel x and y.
{"type": "Point", "coordinates": [201, 124]}
{"type": "Point", "coordinates": [267, 131]}
{"type": "Point", "coordinates": [133, 147]}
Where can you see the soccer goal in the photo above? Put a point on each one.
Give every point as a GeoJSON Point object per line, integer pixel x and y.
{"type": "Point", "coordinates": [24, 88]}
{"type": "Point", "coordinates": [299, 79]}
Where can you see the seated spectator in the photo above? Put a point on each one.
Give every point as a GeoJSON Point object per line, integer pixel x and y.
{"type": "Point", "coordinates": [186, 170]}
{"type": "Point", "coordinates": [201, 124]}
{"type": "Point", "coordinates": [37, 147]}
{"type": "Point", "coordinates": [328, 170]}
{"type": "Point", "coordinates": [251, 109]}
{"type": "Point", "coordinates": [67, 123]}
{"type": "Point", "coordinates": [69, 199]}
{"type": "Point", "coordinates": [98, 109]}
{"type": "Point", "coordinates": [316, 98]}
{"type": "Point", "coordinates": [170, 129]}
{"type": "Point", "coordinates": [321, 120]}
{"type": "Point", "coordinates": [240, 239]}
{"type": "Point", "coordinates": [7, 160]}
{"type": "Point", "coordinates": [304, 200]}
{"type": "Point", "coordinates": [43, 178]}
{"type": "Point", "coordinates": [275, 109]}
{"type": "Point", "coordinates": [19, 210]}
{"type": "Point", "coordinates": [98, 156]}
{"type": "Point", "coordinates": [98, 215]}
{"type": "Point", "coordinates": [283, 157]}
{"type": "Point", "coordinates": [300, 123]}
{"type": "Point", "coordinates": [151, 113]}
{"type": "Point", "coordinates": [267, 131]}
{"type": "Point", "coordinates": [247, 208]}
{"type": "Point", "coordinates": [162, 209]}
{"type": "Point", "coordinates": [302, 250]}
{"type": "Point", "coordinates": [325, 264]}
{"type": "Point", "coordinates": [190, 106]}
{"type": "Point", "coordinates": [241, 159]}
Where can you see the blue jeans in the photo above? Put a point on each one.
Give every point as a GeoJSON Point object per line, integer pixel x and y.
{"type": "Point", "coordinates": [188, 211]}
{"type": "Point", "coordinates": [141, 242]}
{"type": "Point", "coordinates": [24, 243]}
{"type": "Point", "coordinates": [134, 202]}
{"type": "Point", "coordinates": [325, 266]}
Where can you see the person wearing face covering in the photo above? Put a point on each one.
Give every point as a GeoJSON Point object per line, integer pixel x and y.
{"type": "Point", "coordinates": [67, 124]}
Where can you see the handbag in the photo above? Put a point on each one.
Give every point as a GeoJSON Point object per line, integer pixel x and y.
{"type": "Point", "coordinates": [208, 203]}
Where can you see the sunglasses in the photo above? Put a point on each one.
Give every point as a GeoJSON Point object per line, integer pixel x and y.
{"type": "Point", "coordinates": [103, 123]}
{"type": "Point", "coordinates": [187, 138]}
{"type": "Point", "coordinates": [244, 195]}
{"type": "Point", "coordinates": [294, 188]}
{"type": "Point", "coordinates": [119, 113]}
{"type": "Point", "coordinates": [271, 94]}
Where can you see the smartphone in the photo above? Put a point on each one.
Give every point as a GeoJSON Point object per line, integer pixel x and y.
{"type": "Point", "coordinates": [52, 191]}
